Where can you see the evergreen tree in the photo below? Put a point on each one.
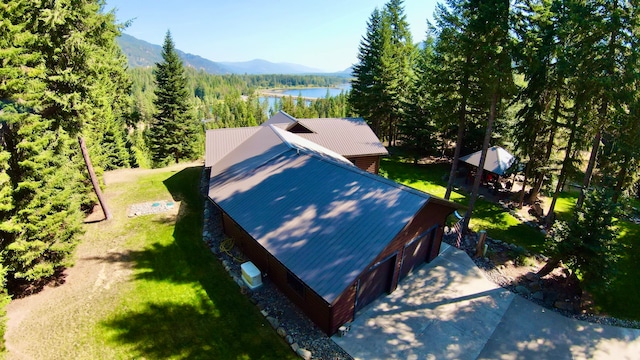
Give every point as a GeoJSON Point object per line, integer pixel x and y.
{"type": "Point", "coordinates": [587, 244]}
{"type": "Point", "coordinates": [56, 78]}
{"type": "Point", "coordinates": [453, 89]}
{"type": "Point", "coordinates": [417, 131]}
{"type": "Point", "coordinates": [365, 86]}
{"type": "Point", "coordinates": [174, 132]}
{"type": "Point", "coordinates": [384, 72]}
{"type": "Point", "coordinates": [543, 96]}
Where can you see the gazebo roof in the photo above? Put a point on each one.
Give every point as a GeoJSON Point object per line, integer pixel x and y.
{"type": "Point", "coordinates": [498, 160]}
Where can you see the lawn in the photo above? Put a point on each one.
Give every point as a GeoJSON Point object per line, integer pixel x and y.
{"type": "Point", "coordinates": [501, 225]}
{"type": "Point", "coordinates": [498, 223]}
{"type": "Point", "coordinates": [145, 288]}
{"type": "Point", "coordinates": [183, 304]}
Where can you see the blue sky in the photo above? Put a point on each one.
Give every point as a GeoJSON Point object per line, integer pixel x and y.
{"type": "Point", "coordinates": [320, 34]}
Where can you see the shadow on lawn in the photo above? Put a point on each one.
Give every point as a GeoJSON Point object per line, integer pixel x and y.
{"type": "Point", "coordinates": [218, 323]}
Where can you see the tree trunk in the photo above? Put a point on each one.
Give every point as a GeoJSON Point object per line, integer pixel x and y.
{"type": "Point", "coordinates": [462, 119]}
{"type": "Point", "coordinates": [524, 185]}
{"type": "Point", "coordinates": [549, 266]}
{"type": "Point", "coordinates": [563, 173]}
{"type": "Point", "coordinates": [94, 179]}
{"type": "Point", "coordinates": [483, 157]}
{"type": "Point", "coordinates": [622, 175]}
{"type": "Point", "coordinates": [535, 190]}
{"type": "Point", "coordinates": [586, 182]}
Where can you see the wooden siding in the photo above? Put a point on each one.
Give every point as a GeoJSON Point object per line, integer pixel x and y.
{"type": "Point", "coordinates": [313, 305]}
{"type": "Point", "coordinates": [369, 164]}
{"type": "Point", "coordinates": [343, 308]}
{"type": "Point", "coordinates": [329, 317]}
{"type": "Point", "coordinates": [429, 216]}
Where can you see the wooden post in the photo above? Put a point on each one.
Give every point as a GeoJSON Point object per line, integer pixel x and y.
{"type": "Point", "coordinates": [482, 237]}
{"type": "Point", "coordinates": [94, 179]}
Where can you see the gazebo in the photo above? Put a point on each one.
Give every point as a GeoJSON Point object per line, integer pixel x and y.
{"type": "Point", "coordinates": [498, 160]}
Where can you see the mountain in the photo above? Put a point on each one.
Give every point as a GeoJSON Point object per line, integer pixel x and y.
{"type": "Point", "coordinates": [259, 66]}
{"type": "Point", "coordinates": [143, 54]}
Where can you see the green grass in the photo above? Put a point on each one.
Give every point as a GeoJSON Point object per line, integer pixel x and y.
{"type": "Point", "coordinates": [501, 225]}
{"type": "Point", "coordinates": [622, 298]}
{"type": "Point", "coordinates": [182, 304]}
{"type": "Point", "coordinates": [498, 223]}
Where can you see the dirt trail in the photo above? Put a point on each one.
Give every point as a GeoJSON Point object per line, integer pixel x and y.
{"type": "Point", "coordinates": [40, 324]}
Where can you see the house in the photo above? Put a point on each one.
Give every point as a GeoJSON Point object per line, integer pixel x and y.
{"type": "Point", "coordinates": [331, 236]}
{"type": "Point", "coordinates": [349, 137]}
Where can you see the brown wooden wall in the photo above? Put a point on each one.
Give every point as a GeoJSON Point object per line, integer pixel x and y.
{"type": "Point", "coordinates": [312, 304]}
{"type": "Point", "coordinates": [429, 216]}
{"type": "Point", "coordinates": [330, 317]}
{"type": "Point", "coordinates": [367, 163]}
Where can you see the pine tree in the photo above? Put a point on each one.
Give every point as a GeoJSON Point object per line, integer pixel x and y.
{"type": "Point", "coordinates": [174, 132]}
{"type": "Point", "coordinates": [417, 130]}
{"type": "Point", "coordinates": [587, 244]}
{"type": "Point", "coordinates": [59, 75]}
{"type": "Point", "coordinates": [384, 72]}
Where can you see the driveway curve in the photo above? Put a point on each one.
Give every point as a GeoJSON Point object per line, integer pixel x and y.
{"type": "Point", "coordinates": [447, 309]}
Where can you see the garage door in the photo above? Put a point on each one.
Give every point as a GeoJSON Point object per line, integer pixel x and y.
{"type": "Point", "coordinates": [416, 253]}
{"type": "Point", "coordinates": [375, 283]}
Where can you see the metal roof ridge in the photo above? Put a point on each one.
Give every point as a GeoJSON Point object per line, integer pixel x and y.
{"type": "Point", "coordinates": [287, 115]}
{"type": "Point", "coordinates": [375, 177]}
{"type": "Point", "coordinates": [233, 128]}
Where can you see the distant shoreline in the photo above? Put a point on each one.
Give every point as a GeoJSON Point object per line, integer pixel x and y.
{"type": "Point", "coordinates": [279, 92]}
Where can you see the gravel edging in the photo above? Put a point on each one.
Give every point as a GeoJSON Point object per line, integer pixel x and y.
{"type": "Point", "coordinates": [302, 335]}
{"type": "Point", "coordinates": [494, 274]}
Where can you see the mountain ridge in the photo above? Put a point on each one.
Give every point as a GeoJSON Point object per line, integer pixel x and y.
{"type": "Point", "coordinates": [141, 53]}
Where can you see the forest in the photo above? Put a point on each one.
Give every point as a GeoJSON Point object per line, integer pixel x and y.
{"type": "Point", "coordinates": [555, 81]}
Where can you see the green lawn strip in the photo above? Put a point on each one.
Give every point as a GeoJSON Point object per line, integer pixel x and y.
{"type": "Point", "coordinates": [183, 304]}
{"type": "Point", "coordinates": [498, 223]}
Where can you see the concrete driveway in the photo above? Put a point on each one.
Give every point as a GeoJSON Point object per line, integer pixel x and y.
{"type": "Point", "coordinates": [448, 310]}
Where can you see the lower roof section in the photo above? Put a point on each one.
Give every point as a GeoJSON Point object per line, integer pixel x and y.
{"type": "Point", "coordinates": [326, 221]}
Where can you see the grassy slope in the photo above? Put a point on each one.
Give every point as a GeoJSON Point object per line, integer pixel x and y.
{"type": "Point", "coordinates": [183, 304]}
{"type": "Point", "coordinates": [501, 225]}
{"type": "Point", "coordinates": [164, 294]}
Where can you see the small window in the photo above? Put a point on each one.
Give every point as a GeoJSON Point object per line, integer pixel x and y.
{"type": "Point", "coordinates": [295, 283]}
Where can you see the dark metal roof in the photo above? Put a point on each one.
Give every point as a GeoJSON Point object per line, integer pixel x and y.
{"type": "Point", "coordinates": [220, 142]}
{"type": "Point", "coordinates": [323, 218]}
{"type": "Point", "coordinates": [346, 136]}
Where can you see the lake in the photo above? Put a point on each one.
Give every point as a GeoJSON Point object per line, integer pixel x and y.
{"type": "Point", "coordinates": [318, 92]}
{"type": "Point", "coordinates": [308, 93]}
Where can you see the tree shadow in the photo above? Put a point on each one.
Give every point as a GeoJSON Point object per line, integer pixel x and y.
{"type": "Point", "coordinates": [220, 323]}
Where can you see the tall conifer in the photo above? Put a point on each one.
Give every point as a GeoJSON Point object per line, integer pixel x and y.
{"type": "Point", "coordinates": [174, 131]}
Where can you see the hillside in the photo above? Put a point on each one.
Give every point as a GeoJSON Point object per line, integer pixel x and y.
{"type": "Point", "coordinates": [143, 54]}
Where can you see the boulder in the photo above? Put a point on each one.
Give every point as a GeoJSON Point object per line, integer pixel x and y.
{"type": "Point", "coordinates": [273, 321]}
{"type": "Point", "coordinates": [531, 276]}
{"type": "Point", "coordinates": [538, 295]}
{"type": "Point", "coordinates": [535, 286]}
{"type": "Point", "coordinates": [304, 353]}
{"type": "Point", "coordinates": [289, 339]}
{"type": "Point", "coordinates": [563, 305]}
{"type": "Point", "coordinates": [281, 331]}
{"type": "Point", "coordinates": [522, 290]}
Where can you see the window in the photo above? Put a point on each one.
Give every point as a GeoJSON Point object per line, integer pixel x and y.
{"type": "Point", "coordinates": [295, 283]}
